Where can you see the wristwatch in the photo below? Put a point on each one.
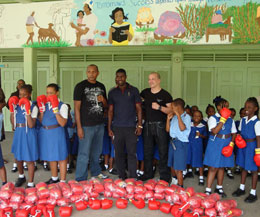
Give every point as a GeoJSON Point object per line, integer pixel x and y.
{"type": "Point", "coordinates": [160, 108]}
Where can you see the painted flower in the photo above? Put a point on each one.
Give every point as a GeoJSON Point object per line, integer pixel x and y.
{"type": "Point", "coordinates": [90, 42]}
{"type": "Point", "coordinates": [144, 15]}
{"type": "Point", "coordinates": [103, 33]}
{"type": "Point", "coordinates": [169, 24]}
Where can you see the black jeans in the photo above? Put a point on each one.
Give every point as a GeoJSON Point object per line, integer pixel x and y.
{"type": "Point", "coordinates": [125, 139]}
{"type": "Point", "coordinates": [155, 133]}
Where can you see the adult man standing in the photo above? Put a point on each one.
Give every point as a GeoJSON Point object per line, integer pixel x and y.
{"type": "Point", "coordinates": [157, 104]}
{"type": "Point", "coordinates": [124, 104]}
{"type": "Point", "coordinates": [89, 103]}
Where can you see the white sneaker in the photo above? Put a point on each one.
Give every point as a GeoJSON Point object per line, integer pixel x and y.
{"type": "Point", "coordinates": [174, 181]}
{"type": "Point", "coordinates": [102, 176]}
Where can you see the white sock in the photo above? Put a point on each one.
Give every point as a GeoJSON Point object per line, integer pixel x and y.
{"type": "Point", "coordinates": [201, 177]}
{"type": "Point", "coordinates": [219, 186]}
{"type": "Point", "coordinates": [206, 168]}
{"type": "Point", "coordinates": [106, 166]}
{"type": "Point", "coordinates": [208, 189]}
{"type": "Point", "coordinates": [54, 178]}
{"type": "Point", "coordinates": [21, 176]}
{"type": "Point", "coordinates": [259, 174]}
{"type": "Point", "coordinates": [137, 171]}
{"type": "Point", "coordinates": [14, 164]}
{"type": "Point", "coordinates": [253, 191]}
{"type": "Point", "coordinates": [31, 184]}
{"type": "Point", "coordinates": [190, 170]}
{"type": "Point", "coordinates": [24, 164]}
{"type": "Point", "coordinates": [242, 187]}
{"type": "Point", "coordinates": [68, 166]}
{"type": "Point", "coordinates": [141, 172]}
{"type": "Point", "coordinates": [62, 180]}
{"type": "Point", "coordinates": [229, 171]}
{"type": "Point", "coordinates": [197, 169]}
{"type": "Point", "coordinates": [45, 163]}
{"type": "Point", "coordinates": [184, 172]}
{"type": "Point", "coordinates": [35, 164]}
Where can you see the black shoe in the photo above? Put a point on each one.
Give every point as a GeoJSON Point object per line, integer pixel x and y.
{"type": "Point", "coordinates": [51, 181]}
{"type": "Point", "coordinates": [144, 178]}
{"type": "Point", "coordinates": [230, 175]}
{"type": "Point", "coordinates": [237, 171]}
{"type": "Point", "coordinates": [69, 170]}
{"type": "Point", "coordinates": [25, 167]}
{"type": "Point", "coordinates": [35, 168]}
{"type": "Point", "coordinates": [207, 192]}
{"type": "Point", "coordinates": [189, 175]}
{"type": "Point", "coordinates": [103, 168]}
{"type": "Point", "coordinates": [205, 173]}
{"type": "Point", "coordinates": [19, 182]}
{"type": "Point", "coordinates": [258, 178]}
{"type": "Point", "coordinates": [251, 198]}
{"type": "Point", "coordinates": [201, 182]}
{"type": "Point", "coordinates": [220, 192]}
{"type": "Point", "coordinates": [113, 171]}
{"type": "Point", "coordinates": [238, 193]}
{"type": "Point", "coordinates": [46, 167]}
{"type": "Point", "coordinates": [14, 170]}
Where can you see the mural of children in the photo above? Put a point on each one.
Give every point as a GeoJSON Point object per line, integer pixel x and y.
{"type": "Point", "coordinates": [217, 18]}
{"type": "Point", "coordinates": [80, 15]}
{"type": "Point", "coordinates": [86, 35]}
{"type": "Point", "coordinates": [29, 27]}
{"type": "Point", "coordinates": [120, 32]}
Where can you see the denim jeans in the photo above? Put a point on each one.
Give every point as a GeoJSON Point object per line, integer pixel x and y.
{"type": "Point", "coordinates": [155, 133]}
{"type": "Point", "coordinates": [90, 148]}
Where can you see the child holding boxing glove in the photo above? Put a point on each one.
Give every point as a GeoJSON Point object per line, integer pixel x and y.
{"type": "Point", "coordinates": [248, 158]}
{"type": "Point", "coordinates": [219, 151]}
{"type": "Point", "coordinates": [52, 139]}
{"type": "Point", "coordinates": [24, 147]}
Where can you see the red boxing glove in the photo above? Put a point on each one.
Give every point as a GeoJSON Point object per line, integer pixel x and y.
{"type": "Point", "coordinates": [240, 142]}
{"type": "Point", "coordinates": [166, 208]}
{"type": "Point", "coordinates": [228, 150]}
{"type": "Point", "coordinates": [12, 103]}
{"type": "Point", "coordinates": [140, 204]}
{"type": "Point", "coordinates": [106, 204]}
{"type": "Point", "coordinates": [121, 203]}
{"type": "Point", "coordinates": [53, 99]}
{"type": "Point", "coordinates": [48, 211]}
{"type": "Point", "coordinates": [41, 101]}
{"type": "Point", "coordinates": [95, 204]}
{"type": "Point", "coordinates": [24, 101]}
{"type": "Point", "coordinates": [257, 157]}
{"type": "Point", "coordinates": [36, 211]}
{"type": "Point", "coordinates": [81, 205]}
{"type": "Point", "coordinates": [65, 211]}
{"type": "Point", "coordinates": [178, 211]}
{"type": "Point", "coordinates": [225, 114]}
{"type": "Point", "coordinates": [22, 213]}
{"type": "Point", "coordinates": [211, 212]}
{"type": "Point", "coordinates": [7, 212]}
{"type": "Point", "coordinates": [153, 204]}
{"type": "Point", "coordinates": [99, 188]}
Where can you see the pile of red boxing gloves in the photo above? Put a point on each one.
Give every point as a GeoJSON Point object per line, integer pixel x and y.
{"type": "Point", "coordinates": [178, 201]}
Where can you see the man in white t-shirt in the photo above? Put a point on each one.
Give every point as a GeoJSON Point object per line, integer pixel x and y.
{"type": "Point", "coordinates": [87, 32]}
{"type": "Point", "coordinates": [30, 22]}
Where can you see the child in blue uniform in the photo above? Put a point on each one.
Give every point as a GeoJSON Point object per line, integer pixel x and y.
{"type": "Point", "coordinates": [25, 147]}
{"type": "Point", "coordinates": [179, 128]}
{"type": "Point", "coordinates": [52, 139]}
{"type": "Point", "coordinates": [195, 147]}
{"type": "Point", "coordinates": [250, 131]}
{"type": "Point", "coordinates": [222, 134]}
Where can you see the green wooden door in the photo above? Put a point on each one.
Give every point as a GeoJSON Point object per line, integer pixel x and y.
{"type": "Point", "coordinates": [9, 76]}
{"type": "Point", "coordinates": [231, 85]}
{"type": "Point", "coordinates": [198, 88]}
{"type": "Point", "coordinates": [42, 80]}
{"type": "Point", "coordinates": [253, 82]}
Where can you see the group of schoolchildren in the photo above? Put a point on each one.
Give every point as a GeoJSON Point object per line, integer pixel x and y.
{"type": "Point", "coordinates": [197, 143]}
{"type": "Point", "coordinates": [41, 132]}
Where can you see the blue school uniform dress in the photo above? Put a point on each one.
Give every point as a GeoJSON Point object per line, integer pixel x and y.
{"type": "Point", "coordinates": [52, 138]}
{"type": "Point", "coordinates": [25, 147]}
{"type": "Point", "coordinates": [213, 156]}
{"type": "Point", "coordinates": [179, 141]}
{"type": "Point", "coordinates": [249, 130]}
{"type": "Point", "coordinates": [195, 146]}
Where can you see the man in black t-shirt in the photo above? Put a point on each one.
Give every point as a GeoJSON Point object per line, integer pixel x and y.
{"type": "Point", "coordinates": [89, 103]}
{"type": "Point", "coordinates": [156, 105]}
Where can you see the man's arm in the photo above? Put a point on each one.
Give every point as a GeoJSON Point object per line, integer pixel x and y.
{"type": "Point", "coordinates": [139, 119]}
{"type": "Point", "coordinates": [110, 118]}
{"type": "Point", "coordinates": [80, 131]}
{"type": "Point", "coordinates": [165, 109]}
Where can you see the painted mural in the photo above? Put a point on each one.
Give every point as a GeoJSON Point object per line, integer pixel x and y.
{"type": "Point", "coordinates": [129, 22]}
